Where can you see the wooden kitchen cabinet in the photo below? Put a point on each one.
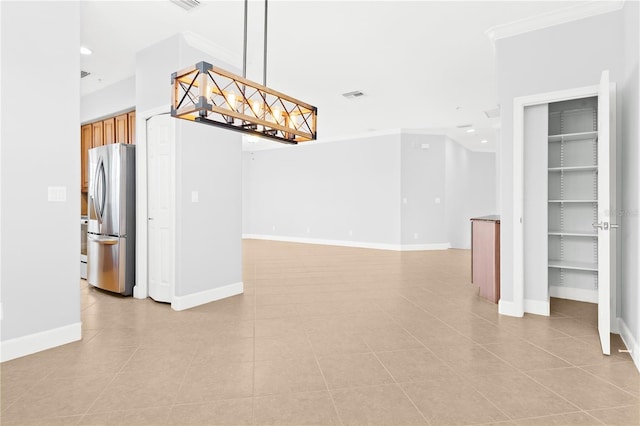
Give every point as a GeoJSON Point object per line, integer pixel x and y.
{"type": "Point", "coordinates": [131, 116]}
{"type": "Point", "coordinates": [485, 256]}
{"type": "Point", "coordinates": [85, 144]}
{"type": "Point", "coordinates": [122, 128]}
{"type": "Point", "coordinates": [97, 138]}
{"type": "Point", "coordinates": [109, 130]}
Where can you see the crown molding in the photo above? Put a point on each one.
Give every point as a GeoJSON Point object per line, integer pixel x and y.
{"type": "Point", "coordinates": [550, 19]}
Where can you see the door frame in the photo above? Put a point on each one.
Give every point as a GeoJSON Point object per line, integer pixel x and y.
{"type": "Point", "coordinates": [517, 307]}
{"type": "Point", "coordinates": [141, 288]}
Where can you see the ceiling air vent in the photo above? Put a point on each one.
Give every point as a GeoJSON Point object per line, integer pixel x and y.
{"type": "Point", "coordinates": [186, 4]}
{"type": "Point", "coordinates": [464, 126]}
{"type": "Point", "coordinates": [83, 74]}
{"type": "Point", "coordinates": [354, 94]}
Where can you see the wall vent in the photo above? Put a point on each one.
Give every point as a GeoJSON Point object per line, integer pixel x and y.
{"type": "Point", "coordinates": [492, 113]}
{"type": "Point", "coordinates": [83, 74]}
{"type": "Point", "coordinates": [464, 126]}
{"type": "Point", "coordinates": [186, 4]}
{"type": "Point", "coordinates": [354, 94]}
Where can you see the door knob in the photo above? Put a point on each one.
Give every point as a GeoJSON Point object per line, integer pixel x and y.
{"type": "Point", "coordinates": [598, 225]}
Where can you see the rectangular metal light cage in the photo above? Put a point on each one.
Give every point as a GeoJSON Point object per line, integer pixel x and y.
{"type": "Point", "coordinates": [208, 94]}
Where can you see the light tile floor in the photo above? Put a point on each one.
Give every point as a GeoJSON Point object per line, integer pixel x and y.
{"type": "Point", "coordinates": [328, 335]}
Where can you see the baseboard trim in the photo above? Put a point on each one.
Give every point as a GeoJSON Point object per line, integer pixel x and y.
{"type": "Point", "coordinates": [630, 342]}
{"type": "Point", "coordinates": [578, 294]}
{"type": "Point", "coordinates": [537, 307]}
{"type": "Point", "coordinates": [180, 303]}
{"type": "Point", "coordinates": [36, 342]}
{"type": "Point", "coordinates": [346, 243]}
{"type": "Point", "coordinates": [509, 309]}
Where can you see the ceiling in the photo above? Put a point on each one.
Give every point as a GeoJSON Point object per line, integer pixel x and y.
{"type": "Point", "coordinates": [422, 65]}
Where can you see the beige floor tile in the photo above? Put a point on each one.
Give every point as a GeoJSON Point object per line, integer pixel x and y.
{"type": "Point", "coordinates": [278, 327]}
{"type": "Point", "coordinates": [389, 339]}
{"type": "Point", "coordinates": [152, 389]}
{"type": "Point", "coordinates": [56, 398]}
{"type": "Point", "coordinates": [152, 416]}
{"type": "Point", "coordinates": [482, 332]}
{"type": "Point", "coordinates": [287, 347]}
{"type": "Point", "coordinates": [582, 389]}
{"type": "Point", "coordinates": [160, 359]}
{"type": "Point", "coordinates": [223, 412]}
{"type": "Point", "coordinates": [353, 370]}
{"type": "Point", "coordinates": [336, 343]}
{"type": "Point", "coordinates": [525, 356]}
{"type": "Point", "coordinates": [472, 360]}
{"type": "Point", "coordinates": [519, 396]}
{"type": "Point", "coordinates": [309, 408]}
{"type": "Point", "coordinates": [618, 416]}
{"type": "Point", "coordinates": [578, 352]}
{"type": "Point", "coordinates": [622, 374]}
{"type": "Point", "coordinates": [209, 382]}
{"type": "Point", "coordinates": [415, 365]}
{"type": "Point", "coordinates": [276, 311]}
{"type": "Point", "coordinates": [574, 327]}
{"type": "Point", "coordinates": [381, 405]}
{"type": "Point", "coordinates": [286, 376]}
{"type": "Point", "coordinates": [224, 350]}
{"type": "Point", "coordinates": [49, 421]}
{"type": "Point", "coordinates": [452, 401]}
{"type": "Point", "coordinates": [570, 419]}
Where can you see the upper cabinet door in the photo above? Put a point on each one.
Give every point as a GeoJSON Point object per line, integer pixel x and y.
{"type": "Point", "coordinates": [132, 126]}
{"type": "Point", "coordinates": [122, 129]}
{"type": "Point", "coordinates": [97, 138]}
{"type": "Point", "coordinates": [605, 208]}
{"type": "Point", "coordinates": [85, 145]}
{"type": "Point", "coordinates": [109, 130]}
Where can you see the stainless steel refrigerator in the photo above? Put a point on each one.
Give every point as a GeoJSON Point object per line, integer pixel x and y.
{"type": "Point", "coordinates": [111, 233]}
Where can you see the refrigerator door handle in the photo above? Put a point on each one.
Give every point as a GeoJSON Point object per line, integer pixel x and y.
{"type": "Point", "coordinates": [99, 191]}
{"type": "Point", "coordinates": [109, 241]}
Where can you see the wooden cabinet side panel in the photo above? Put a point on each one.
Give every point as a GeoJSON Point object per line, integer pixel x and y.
{"type": "Point", "coordinates": [132, 126]}
{"type": "Point", "coordinates": [122, 128]}
{"type": "Point", "coordinates": [485, 252]}
{"type": "Point", "coordinates": [97, 138]}
{"type": "Point", "coordinates": [109, 130]}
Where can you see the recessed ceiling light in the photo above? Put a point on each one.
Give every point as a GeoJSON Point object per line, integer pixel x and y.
{"type": "Point", "coordinates": [471, 130]}
{"type": "Point", "coordinates": [484, 141]}
{"type": "Point", "coordinates": [85, 50]}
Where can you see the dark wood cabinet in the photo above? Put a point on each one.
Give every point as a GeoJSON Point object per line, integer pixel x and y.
{"type": "Point", "coordinates": [485, 256]}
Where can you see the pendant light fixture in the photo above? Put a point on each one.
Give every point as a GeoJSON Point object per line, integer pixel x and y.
{"type": "Point", "coordinates": [211, 95]}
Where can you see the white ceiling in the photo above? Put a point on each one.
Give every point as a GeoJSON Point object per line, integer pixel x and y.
{"type": "Point", "coordinates": [423, 65]}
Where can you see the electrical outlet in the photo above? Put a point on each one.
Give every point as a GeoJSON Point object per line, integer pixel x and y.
{"type": "Point", "coordinates": [425, 146]}
{"type": "Point", "coordinates": [351, 232]}
{"type": "Point", "coordinates": [415, 236]}
{"type": "Point", "coordinates": [308, 230]}
{"type": "Point", "coordinates": [437, 200]}
{"type": "Point", "coordinates": [404, 201]}
{"type": "Point", "coordinates": [194, 196]}
{"type": "Point", "coordinates": [273, 227]}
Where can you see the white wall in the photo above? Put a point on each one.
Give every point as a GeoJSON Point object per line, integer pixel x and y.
{"type": "Point", "coordinates": [556, 58]}
{"type": "Point", "coordinates": [318, 192]}
{"type": "Point", "coordinates": [470, 190]}
{"type": "Point", "coordinates": [422, 174]}
{"type": "Point", "coordinates": [40, 148]}
{"type": "Point", "coordinates": [630, 230]}
{"type": "Point", "coordinates": [209, 161]}
{"type": "Point", "coordinates": [340, 191]}
{"type": "Point", "coordinates": [111, 100]}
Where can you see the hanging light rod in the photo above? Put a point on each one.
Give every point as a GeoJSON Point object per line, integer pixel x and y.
{"type": "Point", "coordinates": [207, 94]}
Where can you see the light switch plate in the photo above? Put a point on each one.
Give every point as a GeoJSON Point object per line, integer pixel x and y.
{"type": "Point", "coordinates": [425, 146]}
{"type": "Point", "coordinates": [57, 193]}
{"type": "Point", "coordinates": [437, 200]}
{"type": "Point", "coordinates": [194, 196]}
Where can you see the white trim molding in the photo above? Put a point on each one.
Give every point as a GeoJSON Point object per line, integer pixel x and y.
{"type": "Point", "coordinates": [347, 243]}
{"type": "Point", "coordinates": [579, 294]}
{"type": "Point", "coordinates": [630, 342]}
{"type": "Point", "coordinates": [537, 307]}
{"type": "Point", "coordinates": [180, 303]}
{"type": "Point", "coordinates": [552, 18]}
{"type": "Point", "coordinates": [36, 342]}
{"type": "Point", "coordinates": [506, 307]}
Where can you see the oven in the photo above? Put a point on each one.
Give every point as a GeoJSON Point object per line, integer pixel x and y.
{"type": "Point", "coordinates": [83, 246]}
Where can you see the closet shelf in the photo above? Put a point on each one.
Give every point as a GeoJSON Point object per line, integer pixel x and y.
{"type": "Point", "coordinates": [573, 169]}
{"type": "Point", "coordinates": [573, 201]}
{"type": "Point", "coordinates": [566, 137]}
{"type": "Point", "coordinates": [580, 266]}
{"type": "Point", "coordinates": [573, 233]}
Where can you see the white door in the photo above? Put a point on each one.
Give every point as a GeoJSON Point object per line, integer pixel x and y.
{"type": "Point", "coordinates": [160, 202]}
{"type": "Point", "coordinates": [604, 217]}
